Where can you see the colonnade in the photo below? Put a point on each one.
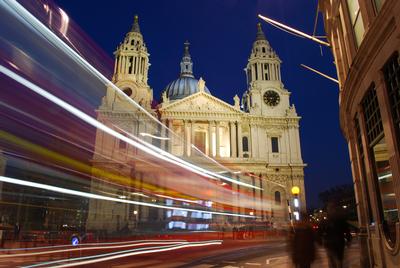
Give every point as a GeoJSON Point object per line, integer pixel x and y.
{"type": "Point", "coordinates": [131, 65]}
{"type": "Point", "coordinates": [213, 145]}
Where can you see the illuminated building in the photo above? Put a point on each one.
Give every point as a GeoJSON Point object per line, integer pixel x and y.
{"type": "Point", "coordinates": [257, 134]}
{"type": "Point", "coordinates": [364, 36]}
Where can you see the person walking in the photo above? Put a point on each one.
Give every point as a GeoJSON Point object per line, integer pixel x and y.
{"type": "Point", "coordinates": [336, 233]}
{"type": "Point", "coordinates": [302, 245]}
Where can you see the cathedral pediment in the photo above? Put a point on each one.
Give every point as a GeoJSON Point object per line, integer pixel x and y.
{"type": "Point", "coordinates": [200, 102]}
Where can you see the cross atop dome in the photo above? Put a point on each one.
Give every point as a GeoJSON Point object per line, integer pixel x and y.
{"type": "Point", "coordinates": [186, 52]}
{"type": "Point", "coordinates": [186, 62]}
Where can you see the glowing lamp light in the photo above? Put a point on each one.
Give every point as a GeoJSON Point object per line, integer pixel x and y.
{"type": "Point", "coordinates": [296, 202]}
{"type": "Point", "coordinates": [296, 215]}
{"type": "Point", "coordinates": [295, 190]}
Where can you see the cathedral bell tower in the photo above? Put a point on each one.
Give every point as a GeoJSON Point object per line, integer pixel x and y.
{"type": "Point", "coordinates": [265, 93]}
{"type": "Point", "coordinates": [131, 70]}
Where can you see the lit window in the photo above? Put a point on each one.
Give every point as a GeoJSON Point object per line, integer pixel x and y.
{"type": "Point", "coordinates": [362, 167]}
{"type": "Point", "coordinates": [383, 171]}
{"type": "Point", "coordinates": [274, 145]}
{"type": "Point", "coordinates": [391, 72]}
{"type": "Point", "coordinates": [356, 20]}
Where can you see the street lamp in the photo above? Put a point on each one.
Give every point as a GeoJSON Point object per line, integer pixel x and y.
{"type": "Point", "coordinates": [295, 192]}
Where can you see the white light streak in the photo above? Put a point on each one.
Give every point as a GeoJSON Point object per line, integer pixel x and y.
{"type": "Point", "coordinates": [125, 253]}
{"type": "Point", "coordinates": [290, 29]}
{"type": "Point", "coordinates": [91, 248]}
{"type": "Point", "coordinates": [153, 136]}
{"type": "Point", "coordinates": [64, 22]}
{"type": "Point", "coordinates": [139, 194]}
{"type": "Point", "coordinates": [32, 22]}
{"type": "Point", "coordinates": [148, 148]}
{"type": "Point", "coordinates": [385, 176]}
{"type": "Point", "coordinates": [107, 198]}
{"type": "Point", "coordinates": [321, 74]}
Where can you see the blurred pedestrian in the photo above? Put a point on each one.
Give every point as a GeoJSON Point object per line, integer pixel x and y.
{"type": "Point", "coordinates": [302, 247]}
{"type": "Point", "coordinates": [336, 233]}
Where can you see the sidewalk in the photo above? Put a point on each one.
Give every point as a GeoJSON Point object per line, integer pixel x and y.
{"type": "Point", "coordinates": [351, 258]}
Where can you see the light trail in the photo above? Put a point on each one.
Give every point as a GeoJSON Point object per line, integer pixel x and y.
{"type": "Point", "coordinates": [32, 22]}
{"type": "Point", "coordinates": [153, 136]}
{"type": "Point", "coordinates": [75, 248]}
{"type": "Point", "coordinates": [292, 30]}
{"type": "Point", "coordinates": [148, 148]}
{"type": "Point", "coordinates": [88, 244]}
{"type": "Point", "coordinates": [320, 73]}
{"type": "Point", "coordinates": [206, 173]}
{"type": "Point", "coordinates": [107, 198]}
{"type": "Point", "coordinates": [122, 254]}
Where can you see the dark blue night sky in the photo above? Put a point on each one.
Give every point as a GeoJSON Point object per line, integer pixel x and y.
{"type": "Point", "coordinates": [221, 33]}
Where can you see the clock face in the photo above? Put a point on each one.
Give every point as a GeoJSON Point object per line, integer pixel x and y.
{"type": "Point", "coordinates": [271, 98]}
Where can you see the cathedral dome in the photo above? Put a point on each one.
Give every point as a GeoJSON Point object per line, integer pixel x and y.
{"type": "Point", "coordinates": [182, 87]}
{"type": "Point", "coordinates": [186, 84]}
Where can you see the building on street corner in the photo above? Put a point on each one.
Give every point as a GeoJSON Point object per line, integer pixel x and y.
{"type": "Point", "coordinates": [365, 41]}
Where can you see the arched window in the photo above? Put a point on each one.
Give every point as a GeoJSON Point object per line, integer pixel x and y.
{"type": "Point", "coordinates": [245, 144]}
{"type": "Point", "coordinates": [263, 49]}
{"type": "Point", "coordinates": [277, 198]}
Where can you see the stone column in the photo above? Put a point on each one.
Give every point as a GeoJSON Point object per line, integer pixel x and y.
{"type": "Point", "coordinates": [253, 142]}
{"type": "Point", "coordinates": [137, 67]}
{"type": "Point", "coordinates": [124, 65]}
{"type": "Point", "coordinates": [217, 154]}
{"type": "Point", "coordinates": [121, 59]}
{"type": "Point", "coordinates": [191, 137]}
{"type": "Point", "coordinates": [169, 146]}
{"type": "Point", "coordinates": [185, 138]}
{"type": "Point", "coordinates": [232, 129]}
{"type": "Point", "coordinates": [210, 145]}
{"type": "Point", "coordinates": [164, 134]}
{"type": "Point", "coordinates": [239, 139]}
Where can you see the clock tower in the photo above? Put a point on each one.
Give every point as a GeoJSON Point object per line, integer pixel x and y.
{"type": "Point", "coordinates": [266, 94]}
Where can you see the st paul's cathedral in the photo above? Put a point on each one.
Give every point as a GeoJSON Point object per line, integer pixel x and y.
{"type": "Point", "coordinates": [256, 134]}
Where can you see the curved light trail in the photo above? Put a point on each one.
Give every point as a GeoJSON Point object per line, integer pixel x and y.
{"type": "Point", "coordinates": [123, 254]}
{"type": "Point", "coordinates": [155, 151]}
{"type": "Point", "coordinates": [28, 19]}
{"type": "Point", "coordinates": [107, 198]}
{"type": "Point", "coordinates": [80, 249]}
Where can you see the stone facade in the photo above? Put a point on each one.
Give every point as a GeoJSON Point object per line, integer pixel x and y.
{"type": "Point", "coordinates": [257, 135]}
{"type": "Point", "coordinates": [364, 37]}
